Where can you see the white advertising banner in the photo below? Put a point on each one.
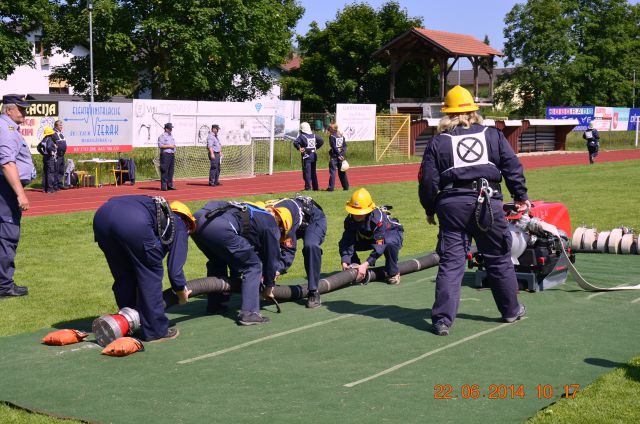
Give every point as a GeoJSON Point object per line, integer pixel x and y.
{"type": "Point", "coordinates": [149, 117]}
{"type": "Point", "coordinates": [96, 127]}
{"type": "Point", "coordinates": [602, 118]}
{"type": "Point", "coordinates": [357, 122]}
{"type": "Point", "coordinates": [238, 121]}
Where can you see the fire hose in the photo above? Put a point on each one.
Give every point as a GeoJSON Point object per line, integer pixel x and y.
{"type": "Point", "coordinates": [328, 284]}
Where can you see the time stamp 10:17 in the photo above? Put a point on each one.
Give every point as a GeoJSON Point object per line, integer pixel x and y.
{"type": "Point", "coordinates": [503, 391]}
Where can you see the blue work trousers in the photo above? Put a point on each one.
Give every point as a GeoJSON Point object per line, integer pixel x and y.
{"type": "Point", "coordinates": [313, 238]}
{"type": "Point", "coordinates": [10, 215]}
{"type": "Point", "coordinates": [309, 174]}
{"type": "Point", "coordinates": [214, 170]}
{"type": "Point", "coordinates": [134, 253]}
{"type": "Point", "coordinates": [167, 163]}
{"type": "Point", "coordinates": [224, 249]}
{"type": "Point", "coordinates": [334, 166]}
{"type": "Point", "coordinates": [456, 216]}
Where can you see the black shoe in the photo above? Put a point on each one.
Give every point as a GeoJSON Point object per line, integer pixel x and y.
{"type": "Point", "coordinates": [251, 318]}
{"type": "Point", "coordinates": [15, 291]}
{"type": "Point", "coordinates": [217, 184]}
{"type": "Point", "coordinates": [329, 189]}
{"type": "Point", "coordinates": [313, 300]}
{"type": "Point", "coordinates": [172, 188]}
{"type": "Point", "coordinates": [172, 333]}
{"type": "Point", "coordinates": [217, 309]}
{"type": "Point", "coordinates": [440, 328]}
{"type": "Point", "coordinates": [521, 312]}
{"type": "Point", "coordinates": [163, 189]}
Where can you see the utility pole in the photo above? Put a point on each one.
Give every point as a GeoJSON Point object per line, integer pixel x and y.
{"type": "Point", "coordinates": [90, 7]}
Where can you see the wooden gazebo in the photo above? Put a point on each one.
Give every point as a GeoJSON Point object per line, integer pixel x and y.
{"type": "Point", "coordinates": [433, 48]}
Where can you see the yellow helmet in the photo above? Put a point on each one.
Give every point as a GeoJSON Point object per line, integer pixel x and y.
{"type": "Point", "coordinates": [48, 131]}
{"type": "Point", "coordinates": [184, 211]}
{"type": "Point", "coordinates": [284, 218]}
{"type": "Point", "coordinates": [458, 99]}
{"type": "Point", "coordinates": [361, 202]}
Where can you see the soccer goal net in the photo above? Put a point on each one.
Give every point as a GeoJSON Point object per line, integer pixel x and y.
{"type": "Point", "coordinates": [247, 144]}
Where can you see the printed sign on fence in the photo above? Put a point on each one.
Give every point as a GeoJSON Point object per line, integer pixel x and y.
{"type": "Point", "coordinates": [96, 127]}
{"type": "Point", "coordinates": [356, 121]}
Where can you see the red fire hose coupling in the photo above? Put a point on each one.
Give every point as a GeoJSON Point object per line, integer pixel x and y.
{"type": "Point", "coordinates": [107, 328]}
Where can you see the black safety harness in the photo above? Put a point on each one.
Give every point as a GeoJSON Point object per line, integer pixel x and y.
{"type": "Point", "coordinates": [166, 224]}
{"type": "Point", "coordinates": [245, 215]}
{"type": "Point", "coordinates": [307, 204]}
{"type": "Point", "coordinates": [486, 190]}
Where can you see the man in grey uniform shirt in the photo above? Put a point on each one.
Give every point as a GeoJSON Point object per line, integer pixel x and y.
{"type": "Point", "coordinates": [17, 171]}
{"type": "Point", "coordinates": [215, 154]}
{"type": "Point", "coordinates": [167, 146]}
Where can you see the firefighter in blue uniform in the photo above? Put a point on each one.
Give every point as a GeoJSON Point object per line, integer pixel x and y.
{"type": "Point", "coordinates": [16, 171]}
{"type": "Point", "coordinates": [459, 180]}
{"type": "Point", "coordinates": [307, 143]}
{"type": "Point", "coordinates": [136, 233]}
{"type": "Point", "coordinates": [368, 227]}
{"type": "Point", "coordinates": [309, 224]}
{"type": "Point", "coordinates": [167, 146]}
{"type": "Point", "coordinates": [61, 150]}
{"type": "Point", "coordinates": [337, 158]}
{"type": "Point", "coordinates": [592, 136]}
{"type": "Point", "coordinates": [48, 149]}
{"type": "Point", "coordinates": [244, 239]}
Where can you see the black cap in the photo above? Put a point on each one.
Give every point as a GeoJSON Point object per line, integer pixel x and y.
{"type": "Point", "coordinates": [15, 100]}
{"type": "Point", "coordinates": [216, 126]}
{"type": "Point", "coordinates": [168, 125]}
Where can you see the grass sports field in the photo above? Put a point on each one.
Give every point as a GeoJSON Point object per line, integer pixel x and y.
{"type": "Point", "coordinates": [366, 356]}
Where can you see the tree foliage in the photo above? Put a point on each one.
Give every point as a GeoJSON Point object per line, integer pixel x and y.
{"type": "Point", "coordinates": [18, 19]}
{"type": "Point", "coordinates": [337, 66]}
{"type": "Point", "coordinates": [196, 49]}
{"type": "Point", "coordinates": [572, 52]}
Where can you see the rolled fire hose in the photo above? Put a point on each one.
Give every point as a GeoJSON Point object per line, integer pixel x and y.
{"type": "Point", "coordinates": [584, 284]}
{"type": "Point", "coordinates": [333, 282]}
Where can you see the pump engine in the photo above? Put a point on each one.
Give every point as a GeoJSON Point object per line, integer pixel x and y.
{"type": "Point", "coordinates": [536, 254]}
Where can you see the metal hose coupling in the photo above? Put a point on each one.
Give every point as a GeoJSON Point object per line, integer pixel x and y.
{"type": "Point", "coordinates": [107, 328]}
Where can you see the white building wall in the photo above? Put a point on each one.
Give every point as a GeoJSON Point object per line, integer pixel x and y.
{"type": "Point", "coordinates": [26, 79]}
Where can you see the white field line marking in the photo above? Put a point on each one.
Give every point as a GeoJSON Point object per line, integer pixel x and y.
{"type": "Point", "coordinates": [424, 355]}
{"type": "Point", "coordinates": [591, 296]}
{"type": "Point", "coordinates": [473, 299]}
{"type": "Point", "coordinates": [273, 336]}
{"type": "Point", "coordinates": [88, 345]}
{"type": "Point", "coordinates": [635, 300]}
{"type": "Point", "coordinates": [284, 333]}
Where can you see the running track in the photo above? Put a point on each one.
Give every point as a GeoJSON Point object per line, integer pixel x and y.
{"type": "Point", "coordinates": [89, 198]}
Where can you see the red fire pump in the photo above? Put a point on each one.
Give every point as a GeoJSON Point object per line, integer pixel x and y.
{"type": "Point", "coordinates": [536, 254]}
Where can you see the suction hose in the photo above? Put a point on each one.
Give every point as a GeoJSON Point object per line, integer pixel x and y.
{"type": "Point", "coordinates": [328, 284]}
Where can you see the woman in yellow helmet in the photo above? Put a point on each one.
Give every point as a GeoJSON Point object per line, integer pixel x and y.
{"type": "Point", "coordinates": [460, 182]}
{"type": "Point", "coordinates": [368, 227]}
{"type": "Point", "coordinates": [135, 233]}
{"type": "Point", "coordinates": [47, 148]}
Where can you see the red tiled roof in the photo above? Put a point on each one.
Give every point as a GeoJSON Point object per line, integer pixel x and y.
{"type": "Point", "coordinates": [291, 65]}
{"type": "Point", "coordinates": [458, 43]}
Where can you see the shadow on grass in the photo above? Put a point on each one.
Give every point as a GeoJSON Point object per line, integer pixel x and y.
{"type": "Point", "coordinates": [605, 363]}
{"type": "Point", "coordinates": [631, 369]}
{"type": "Point", "coordinates": [414, 318]}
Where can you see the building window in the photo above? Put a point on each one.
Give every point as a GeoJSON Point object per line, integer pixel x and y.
{"type": "Point", "coordinates": [37, 44]}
